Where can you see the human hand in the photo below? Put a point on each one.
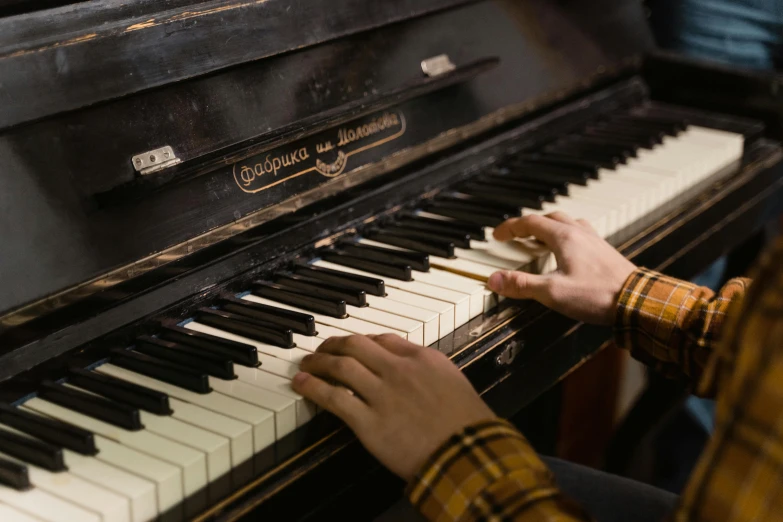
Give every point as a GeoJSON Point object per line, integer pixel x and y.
{"type": "Point", "coordinates": [590, 272]}
{"type": "Point", "coordinates": [407, 400]}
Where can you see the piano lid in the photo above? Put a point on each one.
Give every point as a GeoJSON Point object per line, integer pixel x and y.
{"type": "Point", "coordinates": [263, 107]}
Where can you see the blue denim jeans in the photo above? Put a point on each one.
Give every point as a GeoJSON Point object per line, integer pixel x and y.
{"type": "Point", "coordinates": [746, 33]}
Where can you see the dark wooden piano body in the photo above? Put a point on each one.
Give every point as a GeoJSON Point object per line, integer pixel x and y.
{"type": "Point", "coordinates": [92, 253]}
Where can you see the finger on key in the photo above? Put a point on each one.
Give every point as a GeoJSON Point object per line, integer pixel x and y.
{"type": "Point", "coordinates": [587, 226]}
{"type": "Point", "coordinates": [540, 227]}
{"type": "Point", "coordinates": [562, 217]}
{"type": "Point", "coordinates": [521, 285]}
{"type": "Point", "coordinates": [396, 344]}
{"type": "Point", "coordinates": [361, 348]}
{"type": "Point", "coordinates": [334, 399]}
{"type": "Point", "coordinates": [345, 370]}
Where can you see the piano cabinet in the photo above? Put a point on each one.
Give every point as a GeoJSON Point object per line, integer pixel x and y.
{"type": "Point", "coordinates": [223, 180]}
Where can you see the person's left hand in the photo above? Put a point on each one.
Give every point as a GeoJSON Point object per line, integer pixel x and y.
{"type": "Point", "coordinates": [407, 399]}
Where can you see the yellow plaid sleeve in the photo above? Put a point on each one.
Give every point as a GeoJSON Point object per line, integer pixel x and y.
{"type": "Point", "coordinates": [739, 476]}
{"type": "Point", "coordinates": [671, 325]}
{"type": "Point", "coordinates": [489, 472]}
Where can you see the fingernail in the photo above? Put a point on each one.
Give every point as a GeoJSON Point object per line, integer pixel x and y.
{"type": "Point", "coordinates": [495, 282]}
{"type": "Point", "coordinates": [299, 378]}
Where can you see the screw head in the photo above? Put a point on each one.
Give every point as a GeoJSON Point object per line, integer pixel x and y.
{"type": "Point", "coordinates": [153, 158]}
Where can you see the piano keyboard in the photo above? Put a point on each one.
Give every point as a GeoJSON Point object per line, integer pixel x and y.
{"type": "Point", "coordinates": [135, 436]}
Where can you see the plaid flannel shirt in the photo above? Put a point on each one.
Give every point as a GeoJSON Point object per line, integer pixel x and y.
{"type": "Point", "coordinates": [731, 343]}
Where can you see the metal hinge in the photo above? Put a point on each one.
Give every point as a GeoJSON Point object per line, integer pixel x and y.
{"type": "Point", "coordinates": [154, 160]}
{"type": "Point", "coordinates": [437, 65]}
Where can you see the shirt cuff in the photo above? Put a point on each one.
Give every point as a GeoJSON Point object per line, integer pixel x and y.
{"type": "Point", "coordinates": [458, 477]}
{"type": "Point", "coordinates": [650, 311]}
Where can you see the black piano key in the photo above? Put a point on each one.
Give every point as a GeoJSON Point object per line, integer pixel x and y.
{"type": "Point", "coordinates": [505, 195]}
{"type": "Point", "coordinates": [331, 307]}
{"type": "Point", "coordinates": [121, 391]}
{"type": "Point", "coordinates": [638, 141]}
{"type": "Point", "coordinates": [556, 172]}
{"type": "Point", "coordinates": [397, 271]}
{"type": "Point", "coordinates": [240, 353]}
{"type": "Point", "coordinates": [165, 371]}
{"type": "Point", "coordinates": [14, 475]}
{"type": "Point", "coordinates": [543, 176]}
{"type": "Point", "coordinates": [479, 204]}
{"type": "Point", "coordinates": [39, 453]}
{"type": "Point", "coordinates": [630, 130]}
{"type": "Point", "coordinates": [91, 405]}
{"type": "Point", "coordinates": [49, 430]}
{"type": "Point", "coordinates": [605, 159]}
{"type": "Point", "coordinates": [188, 356]}
{"type": "Point", "coordinates": [416, 260]}
{"type": "Point", "coordinates": [262, 330]}
{"type": "Point", "coordinates": [351, 296]}
{"type": "Point", "coordinates": [662, 116]}
{"type": "Point", "coordinates": [465, 213]}
{"type": "Point", "coordinates": [412, 220]}
{"type": "Point", "coordinates": [396, 237]}
{"type": "Point", "coordinates": [298, 322]}
{"type": "Point", "coordinates": [672, 127]}
{"type": "Point", "coordinates": [542, 160]}
{"type": "Point", "coordinates": [622, 151]}
{"type": "Point", "coordinates": [441, 238]}
{"type": "Point", "coordinates": [549, 189]}
{"type": "Point", "coordinates": [371, 285]}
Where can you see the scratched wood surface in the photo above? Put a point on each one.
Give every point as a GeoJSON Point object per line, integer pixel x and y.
{"type": "Point", "coordinates": [89, 52]}
{"type": "Point", "coordinates": [57, 230]}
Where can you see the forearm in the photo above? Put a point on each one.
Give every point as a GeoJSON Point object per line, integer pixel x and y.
{"type": "Point", "coordinates": [489, 469]}
{"type": "Point", "coordinates": [672, 325]}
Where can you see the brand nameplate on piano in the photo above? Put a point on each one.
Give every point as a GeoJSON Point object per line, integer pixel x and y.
{"type": "Point", "coordinates": [327, 153]}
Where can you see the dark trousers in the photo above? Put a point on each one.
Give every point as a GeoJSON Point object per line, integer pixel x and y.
{"type": "Point", "coordinates": [607, 498]}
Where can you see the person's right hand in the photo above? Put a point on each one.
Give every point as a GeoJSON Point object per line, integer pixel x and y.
{"type": "Point", "coordinates": [590, 272]}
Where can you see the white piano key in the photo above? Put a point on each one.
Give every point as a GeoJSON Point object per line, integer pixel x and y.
{"type": "Point", "coordinates": [191, 462]}
{"type": "Point", "coordinates": [414, 329]}
{"type": "Point", "coordinates": [466, 267]}
{"type": "Point", "coordinates": [417, 276]}
{"type": "Point", "coordinates": [215, 448]}
{"type": "Point", "coordinates": [326, 331]}
{"type": "Point", "coordinates": [483, 254]}
{"type": "Point", "coordinates": [349, 324]}
{"type": "Point", "coordinates": [140, 493]}
{"type": "Point", "coordinates": [262, 420]}
{"type": "Point", "coordinates": [46, 506]}
{"type": "Point", "coordinates": [444, 310]}
{"type": "Point", "coordinates": [305, 410]}
{"type": "Point", "coordinates": [460, 301]}
{"type": "Point", "coordinates": [481, 298]}
{"type": "Point", "coordinates": [426, 317]}
{"type": "Point", "coordinates": [240, 434]}
{"type": "Point", "coordinates": [282, 353]}
{"type": "Point", "coordinates": [284, 408]}
{"type": "Point", "coordinates": [11, 514]}
{"type": "Point", "coordinates": [110, 506]}
{"type": "Point", "coordinates": [277, 366]}
{"type": "Point", "coordinates": [166, 477]}
{"type": "Point", "coordinates": [305, 342]}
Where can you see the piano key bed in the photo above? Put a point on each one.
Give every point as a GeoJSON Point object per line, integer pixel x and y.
{"type": "Point", "coordinates": [199, 404]}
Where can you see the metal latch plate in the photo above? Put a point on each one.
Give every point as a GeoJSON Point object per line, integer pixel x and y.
{"type": "Point", "coordinates": [437, 65]}
{"type": "Point", "coordinates": [154, 160]}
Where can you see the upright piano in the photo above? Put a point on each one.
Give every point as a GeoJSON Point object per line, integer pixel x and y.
{"type": "Point", "coordinates": [194, 194]}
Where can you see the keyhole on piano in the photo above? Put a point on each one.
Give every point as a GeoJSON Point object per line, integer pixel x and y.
{"type": "Point", "coordinates": [509, 353]}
